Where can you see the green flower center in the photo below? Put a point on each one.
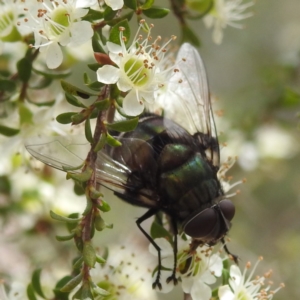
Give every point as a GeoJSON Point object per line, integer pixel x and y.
{"type": "Point", "coordinates": [60, 18]}
{"type": "Point", "coordinates": [137, 71]}
{"type": "Point", "coordinates": [243, 295]}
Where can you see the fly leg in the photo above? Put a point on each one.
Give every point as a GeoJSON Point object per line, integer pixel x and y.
{"type": "Point", "coordinates": [234, 257]}
{"type": "Point", "coordinates": [151, 212]}
{"type": "Point", "coordinates": [175, 250]}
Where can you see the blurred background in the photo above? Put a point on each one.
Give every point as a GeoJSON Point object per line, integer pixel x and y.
{"type": "Point", "coordinates": [254, 78]}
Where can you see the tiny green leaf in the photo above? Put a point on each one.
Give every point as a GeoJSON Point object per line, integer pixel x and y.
{"type": "Point", "coordinates": [99, 223]}
{"type": "Point", "coordinates": [96, 44]}
{"type": "Point", "coordinates": [53, 74]}
{"type": "Point", "coordinates": [100, 291]}
{"type": "Point", "coordinates": [82, 177]}
{"type": "Point", "coordinates": [111, 141]}
{"type": "Point", "coordinates": [100, 259]}
{"type": "Point", "coordinates": [60, 295]}
{"type": "Point", "coordinates": [148, 4]}
{"type": "Point", "coordinates": [88, 130]}
{"type": "Point", "coordinates": [78, 263]}
{"type": "Point", "coordinates": [102, 105]}
{"type": "Point", "coordinates": [36, 284]}
{"type": "Point", "coordinates": [103, 206]}
{"type": "Point", "coordinates": [95, 85]}
{"type": "Point", "coordinates": [158, 231]}
{"type": "Point", "coordinates": [63, 238]}
{"type": "Point", "coordinates": [124, 126]}
{"type": "Point", "coordinates": [79, 118]}
{"type": "Point", "coordinates": [74, 101]}
{"type": "Point", "coordinates": [57, 217]}
{"type": "Point", "coordinates": [94, 67]}
{"type": "Point", "coordinates": [89, 254]}
{"type": "Point", "coordinates": [65, 118]}
{"type": "Point", "coordinates": [93, 15]}
{"type": "Point", "coordinates": [156, 12]}
{"type": "Point", "coordinates": [8, 131]}
{"type": "Point", "coordinates": [70, 285]}
{"type": "Point", "coordinates": [30, 292]}
{"type": "Point", "coordinates": [73, 90]}
{"type": "Point", "coordinates": [131, 4]}
{"type": "Point", "coordinates": [189, 36]}
{"type": "Point", "coordinates": [101, 142]}
{"type": "Point", "coordinates": [7, 85]}
{"type": "Point", "coordinates": [24, 67]}
{"type": "Point", "coordinates": [114, 36]}
{"type": "Point", "coordinates": [109, 14]}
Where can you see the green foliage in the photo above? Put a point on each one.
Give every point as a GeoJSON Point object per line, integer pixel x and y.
{"type": "Point", "coordinates": [156, 12]}
{"type": "Point", "coordinates": [8, 131]}
{"type": "Point", "coordinates": [124, 126]}
{"type": "Point", "coordinates": [36, 283]}
{"type": "Point", "coordinates": [65, 118]}
{"type": "Point", "coordinates": [114, 35]}
{"type": "Point", "coordinates": [24, 66]}
{"type": "Point", "coordinates": [131, 4]}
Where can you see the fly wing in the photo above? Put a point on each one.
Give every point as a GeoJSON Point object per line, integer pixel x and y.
{"type": "Point", "coordinates": [60, 152]}
{"type": "Point", "coordinates": [123, 169]}
{"type": "Point", "coordinates": [188, 101]}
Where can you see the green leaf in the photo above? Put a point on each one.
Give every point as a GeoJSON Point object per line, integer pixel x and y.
{"type": "Point", "coordinates": [53, 74]}
{"type": "Point", "coordinates": [111, 141]}
{"type": "Point", "coordinates": [30, 292]}
{"type": "Point", "coordinates": [103, 104]}
{"type": "Point", "coordinates": [78, 263]}
{"type": "Point", "coordinates": [131, 4]}
{"type": "Point", "coordinates": [156, 12]}
{"type": "Point", "coordinates": [115, 21]}
{"type": "Point", "coordinates": [100, 259]}
{"type": "Point", "coordinates": [8, 131]}
{"type": "Point", "coordinates": [40, 84]}
{"type": "Point", "coordinates": [57, 217]}
{"type": "Point", "coordinates": [24, 67]}
{"type": "Point", "coordinates": [71, 284]}
{"type": "Point", "coordinates": [72, 226]}
{"type": "Point", "coordinates": [36, 284]}
{"type": "Point", "coordinates": [63, 238]}
{"type": "Point", "coordinates": [95, 86]}
{"type": "Point", "coordinates": [101, 142]}
{"type": "Point", "coordinates": [65, 118]}
{"type": "Point", "coordinates": [158, 231]}
{"type": "Point", "coordinates": [25, 114]}
{"type": "Point", "coordinates": [73, 90]}
{"type": "Point", "coordinates": [103, 206]}
{"type": "Point", "coordinates": [83, 176]}
{"type": "Point", "coordinates": [96, 43]}
{"type": "Point", "coordinates": [74, 101]}
{"type": "Point", "coordinates": [189, 36]}
{"type": "Point", "coordinates": [109, 14]}
{"type": "Point", "coordinates": [93, 15]}
{"type": "Point", "coordinates": [99, 223]}
{"type": "Point", "coordinates": [78, 189]}
{"type": "Point", "coordinates": [79, 118]}
{"type": "Point", "coordinates": [88, 131]}
{"type": "Point", "coordinates": [94, 67]}
{"type": "Point", "coordinates": [124, 126]}
{"type": "Point", "coordinates": [148, 4]}
{"type": "Point", "coordinates": [7, 85]}
{"type": "Point", "coordinates": [100, 291]}
{"type": "Point", "coordinates": [114, 36]}
{"type": "Point", "coordinates": [39, 104]}
{"type": "Point", "coordinates": [89, 254]}
{"type": "Point", "coordinates": [58, 294]}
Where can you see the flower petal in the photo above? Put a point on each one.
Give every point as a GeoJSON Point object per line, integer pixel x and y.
{"type": "Point", "coordinates": [123, 84]}
{"type": "Point", "coordinates": [200, 291]}
{"type": "Point", "coordinates": [54, 56]}
{"type": "Point", "coordinates": [81, 32]}
{"type": "Point", "coordinates": [225, 293]}
{"type": "Point", "coordinates": [147, 96]}
{"type": "Point", "coordinates": [108, 74]}
{"type": "Point", "coordinates": [115, 4]}
{"type": "Point", "coordinates": [131, 105]}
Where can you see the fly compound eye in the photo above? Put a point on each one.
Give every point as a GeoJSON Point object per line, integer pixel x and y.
{"type": "Point", "coordinates": [227, 208]}
{"type": "Point", "coordinates": [202, 224]}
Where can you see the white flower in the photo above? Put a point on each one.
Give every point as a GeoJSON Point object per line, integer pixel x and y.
{"type": "Point", "coordinates": [126, 275]}
{"type": "Point", "coordinates": [140, 70]}
{"type": "Point", "coordinates": [244, 288]}
{"type": "Point", "coordinates": [58, 23]}
{"type": "Point", "coordinates": [197, 271]}
{"type": "Point", "coordinates": [226, 13]}
{"type": "Point", "coordinates": [114, 4]}
{"type": "Point", "coordinates": [17, 292]}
